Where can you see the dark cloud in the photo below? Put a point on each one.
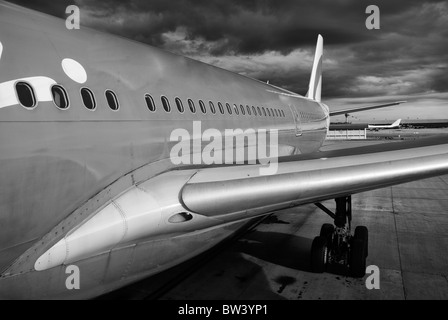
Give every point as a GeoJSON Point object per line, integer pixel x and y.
{"type": "Point", "coordinates": [409, 54]}
{"type": "Point", "coordinates": [55, 8]}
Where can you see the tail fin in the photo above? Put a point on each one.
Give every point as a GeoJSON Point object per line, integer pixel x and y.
{"type": "Point", "coordinates": [315, 86]}
{"type": "Point", "coordinates": [396, 123]}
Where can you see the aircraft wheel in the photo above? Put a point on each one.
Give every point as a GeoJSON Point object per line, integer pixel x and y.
{"type": "Point", "coordinates": [362, 233]}
{"type": "Point", "coordinates": [319, 254]}
{"type": "Point", "coordinates": [326, 231]}
{"type": "Point", "coordinates": [358, 258]}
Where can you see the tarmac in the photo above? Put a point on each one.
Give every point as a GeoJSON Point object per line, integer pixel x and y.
{"type": "Point", "coordinates": [408, 242]}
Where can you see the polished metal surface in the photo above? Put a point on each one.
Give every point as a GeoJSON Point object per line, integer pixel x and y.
{"type": "Point", "coordinates": [323, 179]}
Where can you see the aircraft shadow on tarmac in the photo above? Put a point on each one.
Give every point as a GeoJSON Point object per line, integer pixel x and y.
{"type": "Point", "coordinates": [290, 251]}
{"type": "Point", "coordinates": [229, 270]}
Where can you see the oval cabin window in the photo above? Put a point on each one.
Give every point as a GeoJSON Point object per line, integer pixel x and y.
{"type": "Point", "coordinates": [150, 103]}
{"type": "Point", "coordinates": [88, 99]}
{"type": "Point", "coordinates": [166, 104]}
{"type": "Point", "coordinates": [202, 106]}
{"type": "Point", "coordinates": [221, 108]}
{"type": "Point", "coordinates": [191, 106]}
{"type": "Point", "coordinates": [180, 106]}
{"type": "Point", "coordinates": [212, 107]}
{"type": "Point", "coordinates": [25, 94]}
{"type": "Point", "coordinates": [112, 100]}
{"type": "Point", "coordinates": [229, 108]}
{"type": "Point", "coordinates": [60, 98]}
{"type": "Point", "coordinates": [235, 107]}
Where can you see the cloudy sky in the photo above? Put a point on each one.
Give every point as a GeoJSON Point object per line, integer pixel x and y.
{"type": "Point", "coordinates": [406, 59]}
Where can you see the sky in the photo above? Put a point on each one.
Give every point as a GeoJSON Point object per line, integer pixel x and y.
{"type": "Point", "coordinates": [274, 40]}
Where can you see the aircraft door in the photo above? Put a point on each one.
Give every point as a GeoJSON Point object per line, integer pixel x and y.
{"type": "Point", "coordinates": [297, 121]}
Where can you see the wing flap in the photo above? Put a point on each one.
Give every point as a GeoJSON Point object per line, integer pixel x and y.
{"type": "Point", "coordinates": [221, 191]}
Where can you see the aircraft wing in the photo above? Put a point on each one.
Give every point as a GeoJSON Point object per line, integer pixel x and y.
{"type": "Point", "coordinates": [358, 109]}
{"type": "Point", "coordinates": [307, 179]}
{"type": "Point", "coordinates": [214, 196]}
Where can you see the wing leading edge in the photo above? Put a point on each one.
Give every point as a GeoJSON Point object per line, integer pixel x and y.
{"type": "Point", "coordinates": [229, 190]}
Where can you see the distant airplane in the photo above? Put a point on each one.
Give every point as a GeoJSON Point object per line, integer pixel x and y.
{"type": "Point", "coordinates": [90, 197]}
{"type": "Point", "coordinates": [394, 125]}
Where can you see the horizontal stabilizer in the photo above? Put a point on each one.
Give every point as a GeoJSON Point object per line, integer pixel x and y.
{"type": "Point", "coordinates": [358, 109]}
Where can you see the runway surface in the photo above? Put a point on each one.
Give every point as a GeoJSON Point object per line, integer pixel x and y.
{"type": "Point", "coordinates": [408, 229]}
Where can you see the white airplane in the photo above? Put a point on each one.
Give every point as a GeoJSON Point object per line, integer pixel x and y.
{"type": "Point", "coordinates": [87, 177]}
{"type": "Point", "coordinates": [394, 125]}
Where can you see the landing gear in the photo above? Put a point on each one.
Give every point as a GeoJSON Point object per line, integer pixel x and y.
{"type": "Point", "coordinates": [357, 261]}
{"type": "Point", "coordinates": [336, 246]}
{"type": "Point", "coordinates": [319, 253]}
{"type": "Point", "coordinates": [327, 231]}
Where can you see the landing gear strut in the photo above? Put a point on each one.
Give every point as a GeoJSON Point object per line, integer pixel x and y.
{"type": "Point", "coordinates": [336, 245]}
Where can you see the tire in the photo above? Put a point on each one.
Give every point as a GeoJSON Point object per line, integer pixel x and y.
{"type": "Point", "coordinates": [319, 254]}
{"type": "Point", "coordinates": [358, 258]}
{"type": "Point", "coordinates": [326, 231]}
{"type": "Point", "coordinates": [362, 233]}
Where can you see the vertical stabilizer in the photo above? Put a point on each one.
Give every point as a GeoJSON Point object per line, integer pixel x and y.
{"type": "Point", "coordinates": [396, 123]}
{"type": "Point", "coordinates": [315, 86]}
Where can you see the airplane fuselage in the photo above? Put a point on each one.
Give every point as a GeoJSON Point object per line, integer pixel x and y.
{"type": "Point", "coordinates": [55, 161]}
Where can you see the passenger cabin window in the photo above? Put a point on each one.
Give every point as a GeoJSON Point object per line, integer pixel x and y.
{"type": "Point", "coordinates": [212, 107]}
{"type": "Point", "coordinates": [166, 104]}
{"type": "Point", "coordinates": [180, 106]}
{"type": "Point", "coordinates": [88, 99]}
{"type": "Point", "coordinates": [112, 100]}
{"type": "Point", "coordinates": [221, 108]}
{"type": "Point", "coordinates": [264, 111]}
{"type": "Point", "coordinates": [150, 103]}
{"type": "Point", "coordinates": [254, 111]}
{"type": "Point", "coordinates": [235, 107]}
{"type": "Point", "coordinates": [248, 110]}
{"type": "Point", "coordinates": [242, 109]}
{"type": "Point", "coordinates": [229, 108]}
{"type": "Point", "coordinates": [269, 112]}
{"type": "Point", "coordinates": [259, 111]}
{"type": "Point", "coordinates": [60, 97]}
{"type": "Point", "coordinates": [191, 106]}
{"type": "Point", "coordinates": [202, 106]}
{"type": "Point", "coordinates": [26, 96]}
